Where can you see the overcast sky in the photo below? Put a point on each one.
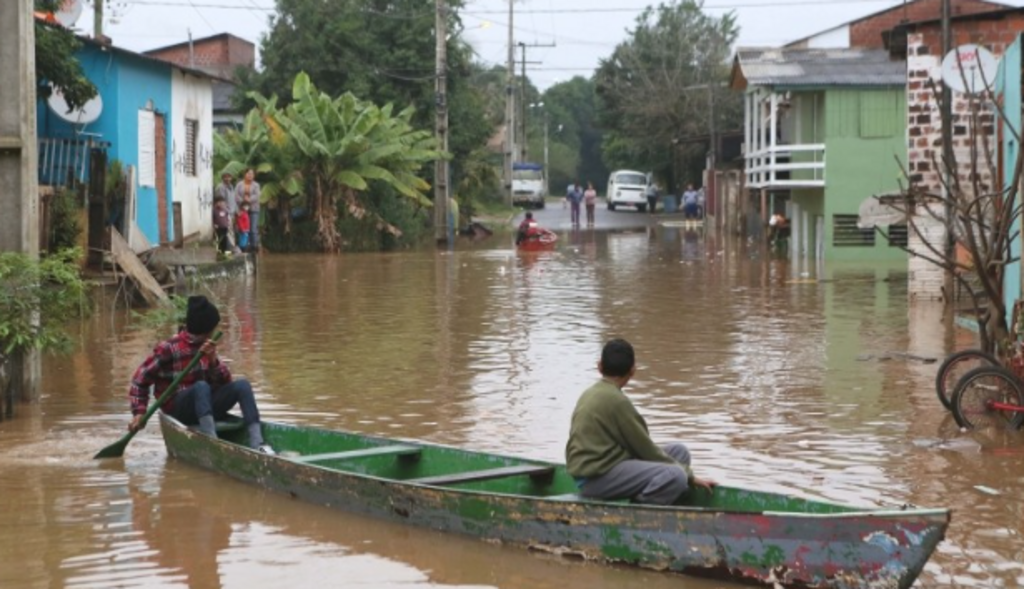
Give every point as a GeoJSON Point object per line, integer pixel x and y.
{"type": "Point", "coordinates": [584, 31]}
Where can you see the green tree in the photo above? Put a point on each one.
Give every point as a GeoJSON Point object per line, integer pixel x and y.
{"type": "Point", "coordinates": [381, 51]}
{"type": "Point", "coordinates": [56, 65]}
{"type": "Point", "coordinates": [343, 145]}
{"type": "Point", "coordinates": [656, 87]}
{"type": "Point", "coordinates": [38, 298]}
{"type": "Point", "coordinates": [571, 111]}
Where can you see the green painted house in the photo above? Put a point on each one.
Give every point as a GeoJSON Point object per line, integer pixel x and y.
{"type": "Point", "coordinates": [824, 130]}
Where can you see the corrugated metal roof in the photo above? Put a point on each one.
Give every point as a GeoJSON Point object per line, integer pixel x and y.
{"type": "Point", "coordinates": [819, 67]}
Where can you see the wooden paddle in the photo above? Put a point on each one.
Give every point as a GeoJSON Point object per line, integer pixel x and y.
{"type": "Point", "coordinates": [116, 450]}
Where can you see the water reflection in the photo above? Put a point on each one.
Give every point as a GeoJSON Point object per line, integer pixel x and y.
{"type": "Point", "coordinates": [778, 378]}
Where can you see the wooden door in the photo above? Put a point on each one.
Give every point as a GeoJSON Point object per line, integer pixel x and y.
{"type": "Point", "coordinates": [161, 175]}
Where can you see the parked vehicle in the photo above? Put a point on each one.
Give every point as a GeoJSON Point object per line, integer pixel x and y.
{"type": "Point", "coordinates": [745, 535]}
{"type": "Point", "coordinates": [528, 185]}
{"type": "Point", "coordinates": [628, 187]}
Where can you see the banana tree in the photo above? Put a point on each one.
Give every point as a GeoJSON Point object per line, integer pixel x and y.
{"type": "Point", "coordinates": [341, 146]}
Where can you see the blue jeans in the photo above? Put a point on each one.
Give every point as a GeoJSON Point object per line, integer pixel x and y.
{"type": "Point", "coordinates": [199, 400]}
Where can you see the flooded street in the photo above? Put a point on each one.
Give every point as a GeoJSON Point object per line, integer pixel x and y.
{"type": "Point", "coordinates": [775, 381]}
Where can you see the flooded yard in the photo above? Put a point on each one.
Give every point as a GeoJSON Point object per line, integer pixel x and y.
{"type": "Point", "coordinates": [775, 377]}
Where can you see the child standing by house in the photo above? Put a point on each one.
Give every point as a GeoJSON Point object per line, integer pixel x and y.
{"type": "Point", "coordinates": [243, 227]}
{"type": "Point", "coordinates": [222, 225]}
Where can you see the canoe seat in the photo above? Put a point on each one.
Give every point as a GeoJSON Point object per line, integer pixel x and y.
{"type": "Point", "coordinates": [537, 473]}
{"type": "Point", "coordinates": [398, 450]}
{"type": "Point", "coordinates": [230, 426]}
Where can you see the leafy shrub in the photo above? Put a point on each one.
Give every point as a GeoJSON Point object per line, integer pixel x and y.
{"type": "Point", "coordinates": [64, 226]}
{"type": "Point", "coordinates": [37, 300]}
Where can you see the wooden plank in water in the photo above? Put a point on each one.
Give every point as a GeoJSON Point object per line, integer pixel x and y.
{"type": "Point", "coordinates": [535, 471]}
{"type": "Point", "coordinates": [399, 450]}
{"type": "Point", "coordinates": [133, 266]}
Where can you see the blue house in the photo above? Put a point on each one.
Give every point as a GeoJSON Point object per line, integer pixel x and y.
{"type": "Point", "coordinates": [156, 119]}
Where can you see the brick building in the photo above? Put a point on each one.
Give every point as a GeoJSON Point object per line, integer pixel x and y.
{"type": "Point", "coordinates": [220, 56]}
{"type": "Point", "coordinates": [867, 31]}
{"type": "Point", "coordinates": [920, 44]}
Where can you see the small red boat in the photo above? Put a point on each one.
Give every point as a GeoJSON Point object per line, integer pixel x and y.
{"type": "Point", "coordinates": [542, 241]}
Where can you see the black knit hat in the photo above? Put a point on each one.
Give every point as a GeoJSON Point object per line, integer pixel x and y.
{"type": "Point", "coordinates": [202, 316]}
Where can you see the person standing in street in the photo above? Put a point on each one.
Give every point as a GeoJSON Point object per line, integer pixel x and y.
{"type": "Point", "coordinates": [651, 192]}
{"type": "Point", "coordinates": [248, 190]}
{"type": "Point", "coordinates": [590, 200]}
{"type": "Point", "coordinates": [226, 192]}
{"type": "Point", "coordinates": [575, 197]}
{"type": "Point", "coordinates": [690, 202]}
{"type": "Point", "coordinates": [244, 228]}
{"type": "Point", "coordinates": [222, 226]}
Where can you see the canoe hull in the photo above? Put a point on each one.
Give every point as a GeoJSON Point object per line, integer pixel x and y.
{"type": "Point", "coordinates": [791, 550]}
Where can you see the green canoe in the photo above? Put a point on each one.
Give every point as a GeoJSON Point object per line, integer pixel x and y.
{"type": "Point", "coordinates": [737, 534]}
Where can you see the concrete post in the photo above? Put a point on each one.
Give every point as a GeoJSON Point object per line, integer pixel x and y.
{"type": "Point", "coordinates": [19, 193]}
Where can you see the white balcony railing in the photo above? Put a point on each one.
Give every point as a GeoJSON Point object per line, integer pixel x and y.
{"type": "Point", "coordinates": [769, 164]}
{"type": "Point", "coordinates": [787, 166]}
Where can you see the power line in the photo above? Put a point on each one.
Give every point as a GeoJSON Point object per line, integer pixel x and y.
{"type": "Point", "coordinates": [202, 16]}
{"type": "Point", "coordinates": [632, 10]}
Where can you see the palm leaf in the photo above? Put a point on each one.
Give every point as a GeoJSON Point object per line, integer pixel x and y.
{"type": "Point", "coordinates": [351, 179]}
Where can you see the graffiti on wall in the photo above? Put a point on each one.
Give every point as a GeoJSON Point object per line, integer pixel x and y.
{"type": "Point", "coordinates": [205, 200]}
{"type": "Point", "coordinates": [204, 159]}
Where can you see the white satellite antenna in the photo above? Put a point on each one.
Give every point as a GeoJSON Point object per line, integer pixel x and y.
{"type": "Point", "coordinates": [68, 12]}
{"type": "Point", "coordinates": [87, 113]}
{"type": "Point", "coordinates": [969, 69]}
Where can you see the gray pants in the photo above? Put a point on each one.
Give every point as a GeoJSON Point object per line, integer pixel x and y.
{"type": "Point", "coordinates": [254, 230]}
{"type": "Point", "coordinates": [657, 483]}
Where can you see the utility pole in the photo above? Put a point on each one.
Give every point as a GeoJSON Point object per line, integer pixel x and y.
{"type": "Point", "coordinates": [510, 110]}
{"type": "Point", "coordinates": [441, 228]}
{"type": "Point", "coordinates": [712, 188]}
{"type": "Point", "coordinates": [547, 171]}
{"type": "Point", "coordinates": [19, 191]}
{"type": "Point", "coordinates": [947, 145]}
{"type": "Point", "coordinates": [522, 95]}
{"type": "Point", "coordinates": [97, 20]}
{"type": "Point", "coordinates": [522, 104]}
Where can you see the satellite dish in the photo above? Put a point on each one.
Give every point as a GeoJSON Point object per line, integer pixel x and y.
{"type": "Point", "coordinates": [68, 12]}
{"type": "Point", "coordinates": [89, 112]}
{"type": "Point", "coordinates": [979, 69]}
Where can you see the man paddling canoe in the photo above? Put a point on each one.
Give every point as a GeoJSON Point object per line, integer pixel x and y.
{"type": "Point", "coordinates": [207, 392]}
{"type": "Point", "coordinates": [610, 452]}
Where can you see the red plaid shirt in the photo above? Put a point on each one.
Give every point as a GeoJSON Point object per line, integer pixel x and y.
{"type": "Point", "coordinates": [169, 359]}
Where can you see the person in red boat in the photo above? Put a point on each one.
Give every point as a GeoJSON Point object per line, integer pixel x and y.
{"type": "Point", "coordinates": [529, 230]}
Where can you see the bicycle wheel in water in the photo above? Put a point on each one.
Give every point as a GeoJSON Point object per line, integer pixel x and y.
{"type": "Point", "coordinates": [954, 367]}
{"type": "Point", "coordinates": [979, 387]}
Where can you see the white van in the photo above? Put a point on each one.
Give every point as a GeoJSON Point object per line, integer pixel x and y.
{"type": "Point", "coordinates": [627, 187]}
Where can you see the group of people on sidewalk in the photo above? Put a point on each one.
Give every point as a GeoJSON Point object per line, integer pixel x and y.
{"type": "Point", "coordinates": [236, 214]}
{"type": "Point", "coordinates": [575, 195]}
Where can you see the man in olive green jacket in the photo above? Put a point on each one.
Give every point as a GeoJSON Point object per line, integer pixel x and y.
{"type": "Point", "coordinates": [610, 452]}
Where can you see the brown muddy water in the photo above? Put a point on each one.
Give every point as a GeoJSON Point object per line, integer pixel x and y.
{"type": "Point", "coordinates": [774, 380]}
